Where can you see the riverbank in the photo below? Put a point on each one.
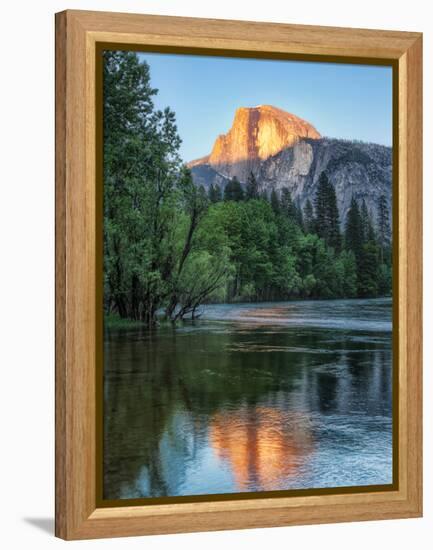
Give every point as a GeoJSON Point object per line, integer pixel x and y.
{"type": "Point", "coordinates": [307, 312]}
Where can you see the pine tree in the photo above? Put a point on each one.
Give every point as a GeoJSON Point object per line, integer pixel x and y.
{"type": "Point", "coordinates": [299, 216]}
{"type": "Point", "coordinates": [264, 195]}
{"type": "Point", "coordinates": [275, 201]}
{"type": "Point", "coordinates": [287, 206]}
{"type": "Point", "coordinates": [252, 188]}
{"type": "Point", "coordinates": [360, 238]}
{"type": "Point", "coordinates": [327, 217]}
{"type": "Point", "coordinates": [365, 220]}
{"type": "Point", "coordinates": [349, 282]}
{"type": "Point", "coordinates": [371, 233]}
{"type": "Point", "coordinates": [215, 193]}
{"type": "Point", "coordinates": [334, 235]}
{"type": "Point", "coordinates": [354, 238]}
{"type": "Point", "coordinates": [320, 206]}
{"type": "Point", "coordinates": [309, 221]}
{"type": "Point", "coordinates": [384, 231]}
{"type": "Point", "coordinates": [368, 270]}
{"type": "Point", "coordinates": [233, 190]}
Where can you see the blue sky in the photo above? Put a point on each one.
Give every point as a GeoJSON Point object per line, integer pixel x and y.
{"type": "Point", "coordinates": [340, 100]}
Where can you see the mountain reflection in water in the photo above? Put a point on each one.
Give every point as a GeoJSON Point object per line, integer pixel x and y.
{"type": "Point", "coordinates": [261, 445]}
{"type": "Point", "coordinates": [254, 397]}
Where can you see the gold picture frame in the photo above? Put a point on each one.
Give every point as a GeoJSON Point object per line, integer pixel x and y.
{"type": "Point", "coordinates": [80, 39]}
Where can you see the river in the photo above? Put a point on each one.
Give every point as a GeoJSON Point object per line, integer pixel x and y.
{"type": "Point", "coordinates": [251, 397]}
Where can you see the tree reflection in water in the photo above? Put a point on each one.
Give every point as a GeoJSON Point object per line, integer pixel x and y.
{"type": "Point", "coordinates": [222, 407]}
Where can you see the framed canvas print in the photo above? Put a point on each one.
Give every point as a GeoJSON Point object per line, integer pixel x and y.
{"type": "Point", "coordinates": [238, 274]}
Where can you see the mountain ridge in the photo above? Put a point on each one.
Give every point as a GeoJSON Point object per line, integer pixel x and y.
{"type": "Point", "coordinates": [356, 169]}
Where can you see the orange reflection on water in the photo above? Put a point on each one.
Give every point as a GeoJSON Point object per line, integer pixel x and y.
{"type": "Point", "coordinates": [273, 312]}
{"type": "Point", "coordinates": [263, 446]}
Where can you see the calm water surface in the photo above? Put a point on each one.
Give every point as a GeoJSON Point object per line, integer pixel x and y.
{"type": "Point", "coordinates": [254, 397]}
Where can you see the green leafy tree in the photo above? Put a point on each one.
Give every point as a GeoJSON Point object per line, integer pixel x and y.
{"type": "Point", "coordinates": [152, 208]}
{"type": "Point", "coordinates": [324, 270]}
{"type": "Point", "coordinates": [195, 203]}
{"type": "Point", "coordinates": [207, 269]}
{"type": "Point", "coordinates": [141, 168]}
{"type": "Point", "coordinates": [317, 268]}
{"type": "Point", "coordinates": [349, 279]}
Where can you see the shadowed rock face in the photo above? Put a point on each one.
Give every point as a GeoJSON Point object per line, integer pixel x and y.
{"type": "Point", "coordinates": [257, 133]}
{"type": "Point", "coordinates": [359, 170]}
{"type": "Point", "coordinates": [283, 151]}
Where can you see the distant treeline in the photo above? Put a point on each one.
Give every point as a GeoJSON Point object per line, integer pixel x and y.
{"type": "Point", "coordinates": [171, 246]}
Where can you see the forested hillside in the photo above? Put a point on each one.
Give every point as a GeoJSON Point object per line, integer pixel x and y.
{"type": "Point", "coordinates": [170, 245]}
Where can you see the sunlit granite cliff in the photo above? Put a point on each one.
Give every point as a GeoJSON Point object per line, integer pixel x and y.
{"type": "Point", "coordinates": [256, 134]}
